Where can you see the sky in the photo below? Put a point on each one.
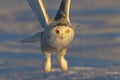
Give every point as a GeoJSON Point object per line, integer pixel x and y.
{"type": "Point", "coordinates": [98, 35]}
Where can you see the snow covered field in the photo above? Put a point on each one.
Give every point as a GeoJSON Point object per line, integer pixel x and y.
{"type": "Point", "coordinates": [29, 67]}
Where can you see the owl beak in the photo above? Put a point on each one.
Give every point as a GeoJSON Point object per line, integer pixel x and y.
{"type": "Point", "coordinates": [62, 36]}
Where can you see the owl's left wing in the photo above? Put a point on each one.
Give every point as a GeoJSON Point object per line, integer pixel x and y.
{"type": "Point", "coordinates": [40, 12]}
{"type": "Point", "coordinates": [64, 9]}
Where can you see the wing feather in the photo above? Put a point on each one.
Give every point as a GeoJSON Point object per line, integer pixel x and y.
{"type": "Point", "coordinates": [40, 12]}
{"type": "Point", "coordinates": [33, 39]}
{"type": "Point", "coordinates": [64, 9]}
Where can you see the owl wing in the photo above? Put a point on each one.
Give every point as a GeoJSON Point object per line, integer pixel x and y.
{"type": "Point", "coordinates": [33, 39]}
{"type": "Point", "coordinates": [40, 12]}
{"type": "Point", "coordinates": [63, 12]}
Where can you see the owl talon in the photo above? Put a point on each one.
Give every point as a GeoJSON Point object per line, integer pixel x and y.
{"type": "Point", "coordinates": [47, 63]}
{"type": "Point", "coordinates": [47, 66]}
{"type": "Point", "coordinates": [63, 63]}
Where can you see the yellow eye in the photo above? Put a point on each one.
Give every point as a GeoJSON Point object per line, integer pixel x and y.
{"type": "Point", "coordinates": [67, 31]}
{"type": "Point", "coordinates": [57, 31]}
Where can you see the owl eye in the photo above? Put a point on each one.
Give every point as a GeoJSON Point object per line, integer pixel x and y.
{"type": "Point", "coordinates": [57, 31]}
{"type": "Point", "coordinates": [67, 31]}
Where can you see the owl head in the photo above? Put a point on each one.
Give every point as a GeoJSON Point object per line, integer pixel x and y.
{"type": "Point", "coordinates": [60, 34]}
{"type": "Point", "coordinates": [61, 31]}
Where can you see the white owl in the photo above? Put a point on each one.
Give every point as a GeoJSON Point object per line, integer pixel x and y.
{"type": "Point", "coordinates": [57, 35]}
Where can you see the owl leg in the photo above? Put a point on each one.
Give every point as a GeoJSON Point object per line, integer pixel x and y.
{"type": "Point", "coordinates": [62, 61]}
{"type": "Point", "coordinates": [47, 63]}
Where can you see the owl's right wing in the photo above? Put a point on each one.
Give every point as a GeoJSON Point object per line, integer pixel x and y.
{"type": "Point", "coordinates": [33, 39]}
{"type": "Point", "coordinates": [40, 12]}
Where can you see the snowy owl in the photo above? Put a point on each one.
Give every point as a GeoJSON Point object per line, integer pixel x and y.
{"type": "Point", "coordinates": [57, 35]}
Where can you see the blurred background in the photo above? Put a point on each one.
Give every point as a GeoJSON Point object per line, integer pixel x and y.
{"type": "Point", "coordinates": [98, 35]}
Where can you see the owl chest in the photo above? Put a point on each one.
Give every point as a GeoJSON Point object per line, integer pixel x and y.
{"type": "Point", "coordinates": [60, 43]}
{"type": "Point", "coordinates": [52, 45]}
{"type": "Point", "coordinates": [45, 46]}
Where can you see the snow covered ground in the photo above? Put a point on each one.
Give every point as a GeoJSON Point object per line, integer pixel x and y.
{"type": "Point", "coordinates": [29, 67]}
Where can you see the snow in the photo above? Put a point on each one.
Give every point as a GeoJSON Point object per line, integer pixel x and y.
{"type": "Point", "coordinates": [30, 68]}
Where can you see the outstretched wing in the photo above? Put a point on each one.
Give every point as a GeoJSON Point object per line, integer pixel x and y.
{"type": "Point", "coordinates": [40, 12]}
{"type": "Point", "coordinates": [63, 12]}
{"type": "Point", "coordinates": [33, 39]}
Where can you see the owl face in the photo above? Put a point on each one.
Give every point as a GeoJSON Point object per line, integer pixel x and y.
{"type": "Point", "coordinates": [61, 36]}
{"type": "Point", "coordinates": [61, 32]}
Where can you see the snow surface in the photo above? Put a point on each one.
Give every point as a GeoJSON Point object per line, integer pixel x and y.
{"type": "Point", "coordinates": [15, 66]}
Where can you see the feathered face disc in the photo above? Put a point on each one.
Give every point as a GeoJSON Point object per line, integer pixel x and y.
{"type": "Point", "coordinates": [60, 35]}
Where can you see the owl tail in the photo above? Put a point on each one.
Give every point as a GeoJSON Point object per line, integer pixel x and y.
{"type": "Point", "coordinates": [64, 9]}
{"type": "Point", "coordinates": [35, 38]}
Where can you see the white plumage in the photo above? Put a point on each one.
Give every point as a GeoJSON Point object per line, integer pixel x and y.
{"type": "Point", "coordinates": [57, 35]}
